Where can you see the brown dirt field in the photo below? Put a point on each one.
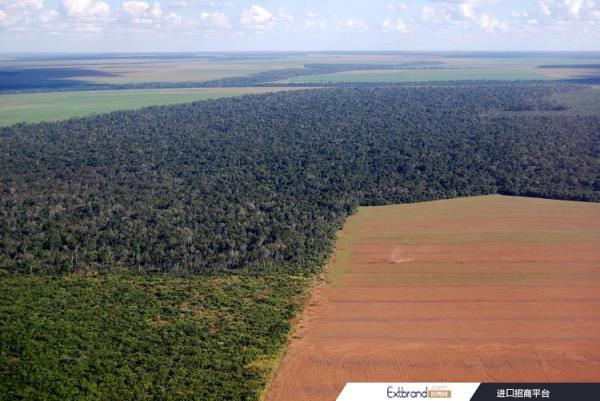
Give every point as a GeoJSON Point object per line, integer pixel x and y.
{"type": "Point", "coordinates": [488, 288]}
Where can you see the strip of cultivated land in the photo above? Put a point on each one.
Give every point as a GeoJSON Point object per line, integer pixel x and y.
{"type": "Point", "coordinates": [488, 288]}
{"type": "Point", "coordinates": [54, 106]}
{"type": "Point", "coordinates": [420, 75]}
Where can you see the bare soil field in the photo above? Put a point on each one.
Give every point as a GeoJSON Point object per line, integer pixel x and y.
{"type": "Point", "coordinates": [489, 288]}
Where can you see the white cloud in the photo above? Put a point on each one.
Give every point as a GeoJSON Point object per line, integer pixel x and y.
{"type": "Point", "coordinates": [257, 17]}
{"type": "Point", "coordinates": [314, 25]}
{"type": "Point", "coordinates": [537, 18]}
{"type": "Point", "coordinates": [189, 3]}
{"type": "Point", "coordinates": [174, 18]}
{"type": "Point", "coordinates": [570, 9]}
{"type": "Point", "coordinates": [215, 20]}
{"type": "Point", "coordinates": [182, 3]}
{"type": "Point", "coordinates": [156, 10]}
{"type": "Point", "coordinates": [49, 16]}
{"type": "Point", "coordinates": [397, 6]}
{"type": "Point", "coordinates": [459, 11]}
{"type": "Point", "coordinates": [520, 14]}
{"type": "Point", "coordinates": [135, 8]}
{"type": "Point", "coordinates": [428, 13]}
{"type": "Point", "coordinates": [524, 17]}
{"type": "Point", "coordinates": [574, 6]}
{"type": "Point", "coordinates": [22, 16]}
{"type": "Point", "coordinates": [24, 4]}
{"type": "Point", "coordinates": [491, 24]}
{"type": "Point", "coordinates": [545, 7]}
{"type": "Point", "coordinates": [431, 14]}
{"type": "Point", "coordinates": [351, 25]}
{"type": "Point", "coordinates": [394, 26]}
{"type": "Point", "coordinates": [86, 8]}
{"type": "Point", "coordinates": [141, 12]}
{"type": "Point", "coordinates": [77, 17]}
{"type": "Point", "coordinates": [284, 15]}
{"type": "Point", "coordinates": [467, 10]}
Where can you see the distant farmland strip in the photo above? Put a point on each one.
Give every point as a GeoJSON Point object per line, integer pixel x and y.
{"type": "Point", "coordinates": [570, 66]}
{"type": "Point", "coordinates": [32, 80]}
{"type": "Point", "coordinates": [418, 75]}
{"type": "Point", "coordinates": [53, 106]}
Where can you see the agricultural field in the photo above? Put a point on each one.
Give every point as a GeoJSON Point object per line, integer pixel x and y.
{"type": "Point", "coordinates": [19, 72]}
{"type": "Point", "coordinates": [192, 71]}
{"type": "Point", "coordinates": [461, 66]}
{"type": "Point", "coordinates": [420, 75]}
{"type": "Point", "coordinates": [490, 288]}
{"type": "Point", "coordinates": [53, 106]}
{"type": "Point", "coordinates": [143, 337]}
{"type": "Point", "coordinates": [163, 68]}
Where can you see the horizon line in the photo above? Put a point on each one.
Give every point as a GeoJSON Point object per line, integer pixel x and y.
{"type": "Point", "coordinates": [301, 51]}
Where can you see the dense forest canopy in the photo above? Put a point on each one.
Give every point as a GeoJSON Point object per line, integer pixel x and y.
{"type": "Point", "coordinates": [263, 182]}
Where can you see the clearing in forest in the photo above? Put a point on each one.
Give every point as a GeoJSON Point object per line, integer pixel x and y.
{"type": "Point", "coordinates": [54, 106]}
{"type": "Point", "coordinates": [488, 288]}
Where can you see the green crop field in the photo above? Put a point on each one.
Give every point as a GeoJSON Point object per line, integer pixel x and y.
{"type": "Point", "coordinates": [141, 337]}
{"type": "Point", "coordinates": [52, 106]}
{"type": "Point", "coordinates": [450, 74]}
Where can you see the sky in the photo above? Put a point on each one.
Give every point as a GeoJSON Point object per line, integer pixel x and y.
{"type": "Point", "coordinates": [309, 25]}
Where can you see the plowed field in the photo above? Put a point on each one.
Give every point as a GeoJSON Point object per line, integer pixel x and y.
{"type": "Point", "coordinates": [477, 289]}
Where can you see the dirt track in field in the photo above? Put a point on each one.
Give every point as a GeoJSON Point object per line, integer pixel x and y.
{"type": "Point", "coordinates": [477, 289]}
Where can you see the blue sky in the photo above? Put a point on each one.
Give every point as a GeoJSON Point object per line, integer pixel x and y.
{"type": "Point", "coordinates": [205, 25]}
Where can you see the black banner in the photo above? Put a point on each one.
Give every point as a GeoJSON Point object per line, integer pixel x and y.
{"type": "Point", "coordinates": [537, 391]}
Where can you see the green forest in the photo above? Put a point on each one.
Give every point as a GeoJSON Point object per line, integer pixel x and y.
{"type": "Point", "coordinates": [263, 182]}
{"type": "Point", "coordinates": [163, 253]}
{"type": "Point", "coordinates": [142, 337]}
